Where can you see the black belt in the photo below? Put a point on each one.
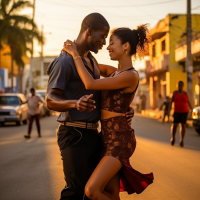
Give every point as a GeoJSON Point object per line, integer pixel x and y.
{"type": "Point", "coordinates": [78, 124]}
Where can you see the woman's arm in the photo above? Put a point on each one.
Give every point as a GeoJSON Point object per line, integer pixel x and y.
{"type": "Point", "coordinates": [189, 104]}
{"type": "Point", "coordinates": [106, 70]}
{"type": "Point", "coordinates": [170, 105]}
{"type": "Point", "coordinates": [127, 79]}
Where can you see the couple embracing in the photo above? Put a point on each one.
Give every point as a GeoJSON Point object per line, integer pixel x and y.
{"type": "Point", "coordinates": [96, 165]}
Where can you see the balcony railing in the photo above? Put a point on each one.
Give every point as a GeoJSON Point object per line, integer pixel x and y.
{"type": "Point", "coordinates": [160, 63]}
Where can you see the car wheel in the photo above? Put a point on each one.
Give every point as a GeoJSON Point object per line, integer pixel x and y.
{"type": "Point", "coordinates": [25, 121]}
{"type": "Point", "coordinates": [2, 123]}
{"type": "Point", "coordinates": [19, 123]}
{"type": "Point", "coordinates": [198, 131]}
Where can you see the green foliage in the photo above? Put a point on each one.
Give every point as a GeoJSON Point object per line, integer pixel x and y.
{"type": "Point", "coordinates": [16, 30]}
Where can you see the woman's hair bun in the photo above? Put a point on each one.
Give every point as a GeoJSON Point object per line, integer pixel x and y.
{"type": "Point", "coordinates": [142, 39]}
{"type": "Point", "coordinates": [138, 39]}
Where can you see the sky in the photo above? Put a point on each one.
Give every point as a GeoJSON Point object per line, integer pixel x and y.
{"type": "Point", "coordinates": [62, 19]}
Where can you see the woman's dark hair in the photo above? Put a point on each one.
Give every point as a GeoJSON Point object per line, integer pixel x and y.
{"type": "Point", "coordinates": [181, 82]}
{"type": "Point", "coordinates": [138, 39]}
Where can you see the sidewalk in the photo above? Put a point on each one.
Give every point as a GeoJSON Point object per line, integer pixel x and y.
{"type": "Point", "coordinates": [158, 114]}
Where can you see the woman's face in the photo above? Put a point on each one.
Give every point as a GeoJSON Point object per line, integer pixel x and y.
{"type": "Point", "coordinates": [115, 48]}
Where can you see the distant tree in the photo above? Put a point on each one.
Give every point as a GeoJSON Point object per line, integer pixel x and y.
{"type": "Point", "coordinates": [18, 32]}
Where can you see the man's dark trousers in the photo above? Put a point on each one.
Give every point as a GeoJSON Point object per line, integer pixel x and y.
{"type": "Point", "coordinates": [80, 152]}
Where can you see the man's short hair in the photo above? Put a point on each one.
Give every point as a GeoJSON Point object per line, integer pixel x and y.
{"type": "Point", "coordinates": [95, 21]}
{"type": "Point", "coordinates": [32, 90]}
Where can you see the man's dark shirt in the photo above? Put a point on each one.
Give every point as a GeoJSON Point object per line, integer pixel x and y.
{"type": "Point", "coordinates": [64, 76]}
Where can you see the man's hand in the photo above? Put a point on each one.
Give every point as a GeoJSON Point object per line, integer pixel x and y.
{"type": "Point", "coordinates": [85, 104]}
{"type": "Point", "coordinates": [130, 115]}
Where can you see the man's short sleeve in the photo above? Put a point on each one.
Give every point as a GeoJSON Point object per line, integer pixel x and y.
{"type": "Point", "coordinates": [59, 73]}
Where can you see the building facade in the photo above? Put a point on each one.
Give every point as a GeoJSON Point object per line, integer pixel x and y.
{"type": "Point", "coordinates": [180, 57]}
{"type": "Point", "coordinates": [163, 71]}
{"type": "Point", "coordinates": [40, 66]}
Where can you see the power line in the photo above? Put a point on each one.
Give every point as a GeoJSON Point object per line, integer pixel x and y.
{"type": "Point", "coordinates": [69, 29]}
{"type": "Point", "coordinates": [112, 19]}
{"type": "Point", "coordinates": [124, 17]}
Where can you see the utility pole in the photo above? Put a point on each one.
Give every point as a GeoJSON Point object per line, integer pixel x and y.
{"type": "Point", "coordinates": [31, 63]}
{"type": "Point", "coordinates": [189, 66]}
{"type": "Point", "coordinates": [42, 60]}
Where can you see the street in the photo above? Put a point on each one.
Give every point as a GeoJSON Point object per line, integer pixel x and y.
{"type": "Point", "coordinates": [32, 169]}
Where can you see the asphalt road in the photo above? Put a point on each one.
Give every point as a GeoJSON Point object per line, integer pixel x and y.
{"type": "Point", "coordinates": [32, 169]}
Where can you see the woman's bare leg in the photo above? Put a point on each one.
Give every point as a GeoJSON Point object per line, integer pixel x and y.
{"type": "Point", "coordinates": [113, 187]}
{"type": "Point", "coordinates": [107, 168]}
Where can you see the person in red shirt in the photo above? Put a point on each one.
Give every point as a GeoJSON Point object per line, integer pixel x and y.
{"type": "Point", "coordinates": [181, 103]}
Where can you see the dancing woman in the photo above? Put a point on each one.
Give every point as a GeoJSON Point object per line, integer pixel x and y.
{"type": "Point", "coordinates": [114, 172]}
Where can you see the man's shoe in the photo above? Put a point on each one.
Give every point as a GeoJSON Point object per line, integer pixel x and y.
{"type": "Point", "coordinates": [27, 136]}
{"type": "Point", "coordinates": [39, 136]}
{"type": "Point", "coordinates": [172, 141]}
{"type": "Point", "coordinates": [181, 144]}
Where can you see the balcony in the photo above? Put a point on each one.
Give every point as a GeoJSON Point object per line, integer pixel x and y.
{"type": "Point", "coordinates": [181, 48]}
{"type": "Point", "coordinates": [158, 64]}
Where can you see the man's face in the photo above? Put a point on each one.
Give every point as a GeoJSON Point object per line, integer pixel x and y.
{"type": "Point", "coordinates": [98, 39]}
{"type": "Point", "coordinates": [32, 92]}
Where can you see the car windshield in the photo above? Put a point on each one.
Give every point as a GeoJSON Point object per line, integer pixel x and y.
{"type": "Point", "coordinates": [42, 94]}
{"type": "Point", "coordinates": [9, 100]}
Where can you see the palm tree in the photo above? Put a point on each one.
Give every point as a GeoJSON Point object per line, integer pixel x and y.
{"type": "Point", "coordinates": [17, 30]}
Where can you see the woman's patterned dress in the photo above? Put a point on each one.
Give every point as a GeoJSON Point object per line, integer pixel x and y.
{"type": "Point", "coordinates": [118, 139]}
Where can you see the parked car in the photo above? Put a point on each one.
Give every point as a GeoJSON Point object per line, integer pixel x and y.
{"type": "Point", "coordinates": [13, 108]}
{"type": "Point", "coordinates": [196, 119]}
{"type": "Point", "coordinates": [42, 93]}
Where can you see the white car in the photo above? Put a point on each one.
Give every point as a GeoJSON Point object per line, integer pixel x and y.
{"type": "Point", "coordinates": [13, 108]}
{"type": "Point", "coordinates": [196, 119]}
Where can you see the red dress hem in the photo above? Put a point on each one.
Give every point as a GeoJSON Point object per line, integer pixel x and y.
{"type": "Point", "coordinates": [133, 181]}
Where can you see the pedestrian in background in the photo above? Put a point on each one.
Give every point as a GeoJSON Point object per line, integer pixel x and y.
{"type": "Point", "coordinates": [33, 112]}
{"type": "Point", "coordinates": [137, 103]}
{"type": "Point", "coordinates": [160, 101]}
{"type": "Point", "coordinates": [166, 108]}
{"type": "Point", "coordinates": [181, 103]}
{"type": "Point", "coordinates": [143, 101]}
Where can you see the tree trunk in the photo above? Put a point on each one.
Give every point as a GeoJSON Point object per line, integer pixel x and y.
{"type": "Point", "coordinates": [20, 77]}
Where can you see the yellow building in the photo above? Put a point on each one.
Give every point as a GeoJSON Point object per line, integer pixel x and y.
{"type": "Point", "coordinates": [180, 57]}
{"type": "Point", "coordinates": [162, 69]}
{"type": "Point", "coordinates": [5, 69]}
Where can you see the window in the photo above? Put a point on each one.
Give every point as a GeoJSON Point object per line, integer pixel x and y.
{"type": "Point", "coordinates": [46, 64]}
{"type": "Point", "coordinates": [154, 50]}
{"type": "Point", "coordinates": [9, 100]}
{"type": "Point", "coordinates": [163, 45]}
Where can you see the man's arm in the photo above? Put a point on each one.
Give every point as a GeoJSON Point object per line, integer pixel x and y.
{"type": "Point", "coordinates": [55, 101]}
{"type": "Point", "coordinates": [162, 106]}
{"type": "Point", "coordinates": [106, 70]}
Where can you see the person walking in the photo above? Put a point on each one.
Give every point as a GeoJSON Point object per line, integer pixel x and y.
{"type": "Point", "coordinates": [166, 109]}
{"type": "Point", "coordinates": [114, 172]}
{"type": "Point", "coordinates": [77, 135]}
{"type": "Point", "coordinates": [181, 103]}
{"type": "Point", "coordinates": [33, 112]}
{"type": "Point", "coordinates": [143, 99]}
{"type": "Point", "coordinates": [160, 101]}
